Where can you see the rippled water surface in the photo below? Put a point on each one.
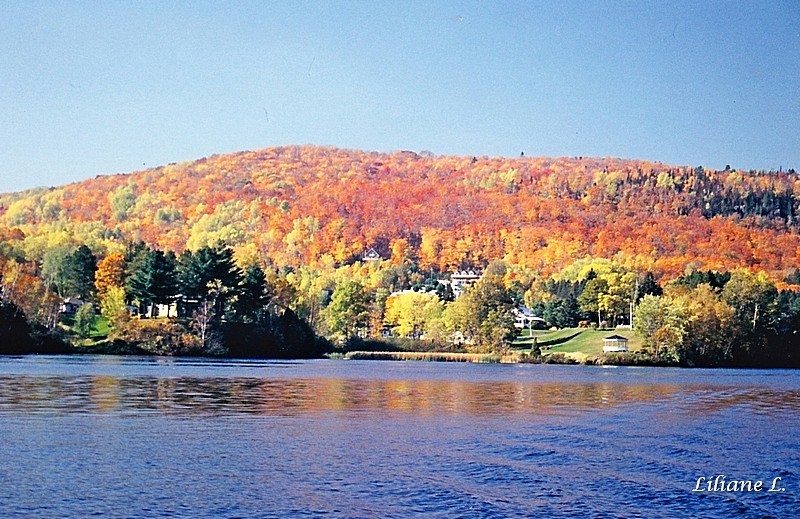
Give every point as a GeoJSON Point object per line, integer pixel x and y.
{"type": "Point", "coordinates": [149, 437]}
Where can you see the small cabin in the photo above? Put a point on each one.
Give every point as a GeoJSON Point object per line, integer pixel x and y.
{"type": "Point", "coordinates": [371, 255]}
{"type": "Point", "coordinates": [615, 344]}
{"type": "Point", "coordinates": [71, 305]}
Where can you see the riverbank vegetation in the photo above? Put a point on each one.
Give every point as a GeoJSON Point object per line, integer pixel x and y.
{"type": "Point", "coordinates": [302, 251]}
{"type": "Point", "coordinates": [210, 302]}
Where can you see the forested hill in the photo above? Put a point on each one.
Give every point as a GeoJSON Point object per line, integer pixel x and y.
{"type": "Point", "coordinates": [305, 205]}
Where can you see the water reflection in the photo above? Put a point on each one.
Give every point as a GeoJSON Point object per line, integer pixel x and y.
{"type": "Point", "coordinates": [288, 396]}
{"type": "Point", "coordinates": [89, 436]}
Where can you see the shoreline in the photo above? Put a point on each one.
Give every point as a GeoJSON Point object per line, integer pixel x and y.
{"type": "Point", "coordinates": [420, 356]}
{"type": "Point", "coordinates": [319, 349]}
{"type": "Point", "coordinates": [506, 358]}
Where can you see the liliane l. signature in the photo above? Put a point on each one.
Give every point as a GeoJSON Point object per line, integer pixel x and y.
{"type": "Point", "coordinates": [720, 483]}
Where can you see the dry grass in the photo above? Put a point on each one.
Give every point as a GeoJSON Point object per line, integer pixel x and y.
{"type": "Point", "coordinates": [424, 355]}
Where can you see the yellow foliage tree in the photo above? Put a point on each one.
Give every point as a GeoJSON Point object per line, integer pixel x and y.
{"type": "Point", "coordinates": [410, 313]}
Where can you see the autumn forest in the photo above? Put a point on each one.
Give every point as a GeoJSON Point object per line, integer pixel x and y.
{"type": "Point", "coordinates": [545, 228]}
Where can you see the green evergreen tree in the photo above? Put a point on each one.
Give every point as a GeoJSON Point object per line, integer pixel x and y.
{"type": "Point", "coordinates": [152, 278]}
{"type": "Point", "coordinates": [84, 320]}
{"type": "Point", "coordinates": [197, 269]}
{"type": "Point", "coordinates": [70, 271]}
{"type": "Point", "coordinates": [81, 267]}
{"type": "Point", "coordinates": [253, 295]}
{"type": "Point", "coordinates": [206, 270]}
{"type": "Point", "coordinates": [562, 313]}
{"type": "Point", "coordinates": [717, 280]}
{"type": "Point", "coordinates": [649, 286]}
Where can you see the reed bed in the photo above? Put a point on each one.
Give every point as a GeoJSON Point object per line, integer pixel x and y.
{"type": "Point", "coordinates": [424, 356]}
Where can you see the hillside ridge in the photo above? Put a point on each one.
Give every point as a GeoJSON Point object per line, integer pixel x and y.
{"type": "Point", "coordinates": [312, 205]}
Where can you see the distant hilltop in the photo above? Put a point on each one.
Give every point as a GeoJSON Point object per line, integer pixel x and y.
{"type": "Point", "coordinates": [310, 206]}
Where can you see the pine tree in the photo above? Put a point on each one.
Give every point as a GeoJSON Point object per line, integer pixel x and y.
{"type": "Point", "coordinates": [209, 267]}
{"type": "Point", "coordinates": [152, 278]}
{"type": "Point", "coordinates": [80, 270]}
{"type": "Point", "coordinates": [197, 269]}
{"type": "Point", "coordinates": [648, 286]}
{"type": "Point", "coordinates": [253, 295]}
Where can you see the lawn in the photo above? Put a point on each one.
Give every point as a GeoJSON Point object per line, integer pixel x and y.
{"type": "Point", "coordinates": [545, 336]}
{"type": "Point", "coordinates": [581, 342]}
{"type": "Point", "coordinates": [100, 326]}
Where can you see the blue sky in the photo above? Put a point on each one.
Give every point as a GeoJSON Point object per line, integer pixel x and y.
{"type": "Point", "coordinates": [105, 87]}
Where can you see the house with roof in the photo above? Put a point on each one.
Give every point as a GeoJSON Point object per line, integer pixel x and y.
{"type": "Point", "coordinates": [71, 305]}
{"type": "Point", "coordinates": [460, 280]}
{"type": "Point", "coordinates": [371, 255]}
{"type": "Point", "coordinates": [525, 318]}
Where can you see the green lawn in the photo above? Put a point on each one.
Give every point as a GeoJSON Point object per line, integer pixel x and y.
{"type": "Point", "coordinates": [100, 326]}
{"type": "Point", "coordinates": [579, 341]}
{"type": "Point", "coordinates": [544, 336]}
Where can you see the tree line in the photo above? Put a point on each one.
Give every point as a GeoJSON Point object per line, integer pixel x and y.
{"type": "Point", "coordinates": [221, 309]}
{"type": "Point", "coordinates": [217, 300]}
{"type": "Point", "coordinates": [705, 318]}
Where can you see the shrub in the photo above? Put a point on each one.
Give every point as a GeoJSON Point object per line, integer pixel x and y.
{"type": "Point", "coordinates": [84, 321]}
{"type": "Point", "coordinates": [559, 358]}
{"type": "Point", "coordinates": [161, 337]}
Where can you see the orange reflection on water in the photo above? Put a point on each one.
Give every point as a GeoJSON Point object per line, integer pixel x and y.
{"type": "Point", "coordinates": [105, 393]}
{"type": "Point", "coordinates": [281, 396]}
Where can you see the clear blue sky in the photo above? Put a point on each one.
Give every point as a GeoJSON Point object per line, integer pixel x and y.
{"type": "Point", "coordinates": [104, 87]}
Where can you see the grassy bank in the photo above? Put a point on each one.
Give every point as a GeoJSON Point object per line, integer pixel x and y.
{"type": "Point", "coordinates": [577, 343]}
{"type": "Point", "coordinates": [567, 346]}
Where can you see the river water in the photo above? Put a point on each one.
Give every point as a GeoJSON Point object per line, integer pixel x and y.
{"type": "Point", "coordinates": [153, 437]}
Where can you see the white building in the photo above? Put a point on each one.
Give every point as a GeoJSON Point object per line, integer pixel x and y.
{"type": "Point", "coordinates": [460, 280]}
{"type": "Point", "coordinates": [615, 344]}
{"type": "Point", "coordinates": [525, 318]}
